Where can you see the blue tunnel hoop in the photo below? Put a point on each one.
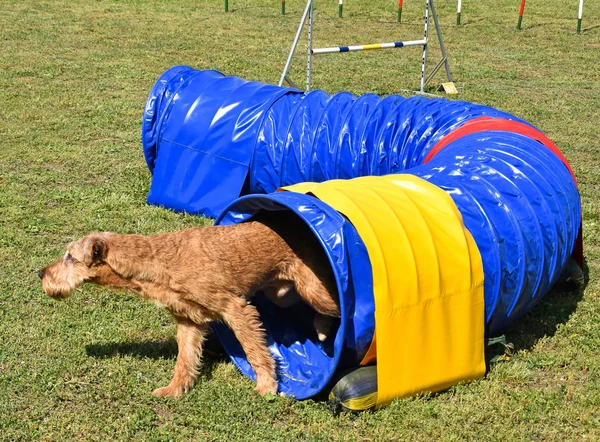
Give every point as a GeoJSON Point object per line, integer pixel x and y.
{"type": "Point", "coordinates": [209, 139]}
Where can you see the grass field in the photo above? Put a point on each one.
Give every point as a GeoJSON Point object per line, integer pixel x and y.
{"type": "Point", "coordinates": [74, 76]}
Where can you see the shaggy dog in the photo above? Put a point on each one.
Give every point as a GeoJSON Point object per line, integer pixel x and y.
{"type": "Point", "coordinates": [209, 274]}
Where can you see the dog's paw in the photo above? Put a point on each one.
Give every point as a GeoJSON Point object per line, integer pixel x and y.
{"type": "Point", "coordinates": [265, 388]}
{"type": "Point", "coordinates": [171, 391]}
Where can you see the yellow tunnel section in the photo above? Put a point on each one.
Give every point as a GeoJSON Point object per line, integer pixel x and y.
{"type": "Point", "coordinates": [427, 281]}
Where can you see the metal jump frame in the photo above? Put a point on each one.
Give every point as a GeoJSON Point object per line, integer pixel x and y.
{"type": "Point", "coordinates": [309, 15]}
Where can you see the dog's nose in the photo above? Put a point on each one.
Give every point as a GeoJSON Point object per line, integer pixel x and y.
{"type": "Point", "coordinates": [40, 274]}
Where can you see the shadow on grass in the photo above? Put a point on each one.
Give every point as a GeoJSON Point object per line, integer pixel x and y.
{"type": "Point", "coordinates": [151, 349]}
{"type": "Point", "coordinates": [590, 28]}
{"type": "Point", "coordinates": [544, 319]}
{"type": "Point", "coordinates": [166, 349]}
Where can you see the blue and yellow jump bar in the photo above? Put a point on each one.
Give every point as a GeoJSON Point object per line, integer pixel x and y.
{"type": "Point", "coordinates": [444, 221]}
{"type": "Point", "coordinates": [396, 44]}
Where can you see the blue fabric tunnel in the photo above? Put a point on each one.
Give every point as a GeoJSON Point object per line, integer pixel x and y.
{"type": "Point", "coordinates": [209, 139]}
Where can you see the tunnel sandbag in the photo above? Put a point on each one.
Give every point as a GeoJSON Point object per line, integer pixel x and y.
{"type": "Point", "coordinates": [354, 390]}
{"type": "Point", "coordinates": [210, 138]}
{"type": "Point", "coordinates": [304, 364]}
{"type": "Point", "coordinates": [427, 281]}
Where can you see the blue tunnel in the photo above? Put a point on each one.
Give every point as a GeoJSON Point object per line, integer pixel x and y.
{"type": "Point", "coordinates": [209, 138]}
{"type": "Point", "coordinates": [221, 146]}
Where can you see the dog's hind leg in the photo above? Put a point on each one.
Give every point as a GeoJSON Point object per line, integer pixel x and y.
{"type": "Point", "coordinates": [313, 290]}
{"type": "Point", "coordinates": [190, 338]}
{"type": "Point", "coordinates": [322, 324]}
{"type": "Point", "coordinates": [244, 321]}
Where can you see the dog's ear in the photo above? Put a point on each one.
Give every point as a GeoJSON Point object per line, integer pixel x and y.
{"type": "Point", "coordinates": [94, 251]}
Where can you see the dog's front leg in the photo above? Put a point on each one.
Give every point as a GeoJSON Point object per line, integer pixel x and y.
{"type": "Point", "coordinates": [244, 321]}
{"type": "Point", "coordinates": [190, 338]}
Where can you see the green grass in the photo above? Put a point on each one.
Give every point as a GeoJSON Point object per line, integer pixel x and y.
{"type": "Point", "coordinates": [73, 82]}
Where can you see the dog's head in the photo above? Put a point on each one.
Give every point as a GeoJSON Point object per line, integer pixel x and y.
{"type": "Point", "coordinates": [81, 262]}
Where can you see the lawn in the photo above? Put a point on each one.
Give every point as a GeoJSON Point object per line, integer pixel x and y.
{"type": "Point", "coordinates": [74, 76]}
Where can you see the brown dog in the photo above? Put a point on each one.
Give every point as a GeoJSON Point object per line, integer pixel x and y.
{"type": "Point", "coordinates": [208, 274]}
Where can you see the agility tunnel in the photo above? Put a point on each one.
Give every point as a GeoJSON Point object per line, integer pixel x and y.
{"type": "Point", "coordinates": [443, 221]}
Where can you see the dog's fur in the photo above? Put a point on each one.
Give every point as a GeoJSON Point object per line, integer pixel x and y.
{"type": "Point", "coordinates": [208, 274]}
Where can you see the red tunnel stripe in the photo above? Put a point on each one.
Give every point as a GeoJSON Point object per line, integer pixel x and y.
{"type": "Point", "coordinates": [482, 124]}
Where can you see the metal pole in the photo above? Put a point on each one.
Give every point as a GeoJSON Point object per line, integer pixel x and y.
{"type": "Point", "coordinates": [295, 43]}
{"type": "Point", "coordinates": [441, 40]}
{"type": "Point", "coordinates": [226, 5]}
{"type": "Point", "coordinates": [424, 60]}
{"type": "Point", "coordinates": [310, 54]}
{"type": "Point", "coordinates": [459, 7]}
{"type": "Point", "coordinates": [341, 8]}
{"type": "Point", "coordinates": [282, 7]}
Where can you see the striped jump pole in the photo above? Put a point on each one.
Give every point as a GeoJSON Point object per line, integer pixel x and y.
{"type": "Point", "coordinates": [400, 10]}
{"type": "Point", "coordinates": [521, 9]}
{"type": "Point", "coordinates": [579, 16]}
{"type": "Point", "coordinates": [340, 8]}
{"type": "Point", "coordinates": [425, 39]}
{"type": "Point", "coordinates": [458, 8]}
{"type": "Point", "coordinates": [282, 7]}
{"type": "Point", "coordinates": [396, 44]}
{"type": "Point", "coordinates": [226, 5]}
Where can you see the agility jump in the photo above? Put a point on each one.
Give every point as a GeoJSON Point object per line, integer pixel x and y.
{"type": "Point", "coordinates": [308, 16]}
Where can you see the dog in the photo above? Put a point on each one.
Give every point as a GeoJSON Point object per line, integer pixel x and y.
{"type": "Point", "coordinates": [208, 274]}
